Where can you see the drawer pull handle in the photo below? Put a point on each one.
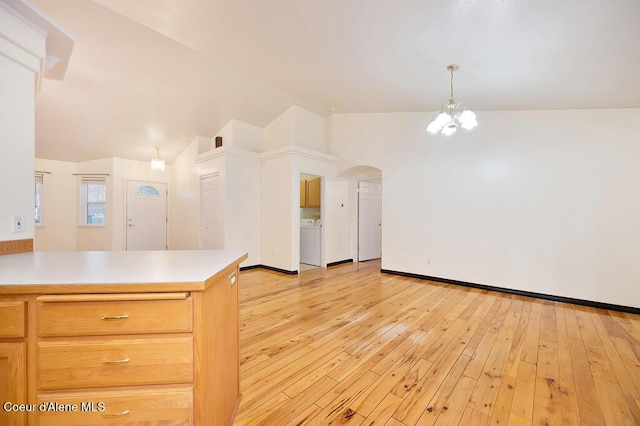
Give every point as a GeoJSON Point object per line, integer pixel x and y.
{"type": "Point", "coordinates": [116, 362]}
{"type": "Point", "coordinates": [115, 415]}
{"type": "Point", "coordinates": [113, 317]}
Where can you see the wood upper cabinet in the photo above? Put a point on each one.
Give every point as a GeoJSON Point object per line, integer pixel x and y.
{"type": "Point", "coordinates": [13, 360]}
{"type": "Point", "coordinates": [303, 193]}
{"type": "Point", "coordinates": [310, 193]}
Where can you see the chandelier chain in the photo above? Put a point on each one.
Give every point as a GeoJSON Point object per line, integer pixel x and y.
{"type": "Point", "coordinates": [451, 97]}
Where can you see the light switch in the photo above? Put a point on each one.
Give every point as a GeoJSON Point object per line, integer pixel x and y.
{"type": "Point", "coordinates": [18, 224]}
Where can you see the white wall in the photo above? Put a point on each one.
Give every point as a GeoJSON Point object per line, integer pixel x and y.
{"type": "Point", "coordinates": [541, 201]}
{"type": "Point", "coordinates": [239, 192]}
{"type": "Point", "coordinates": [16, 148]}
{"type": "Point", "coordinates": [184, 226]}
{"type": "Point", "coordinates": [238, 134]}
{"type": "Point", "coordinates": [281, 170]}
{"type": "Point", "coordinates": [59, 201]}
{"type": "Point", "coordinates": [294, 143]}
{"type": "Point", "coordinates": [297, 127]}
{"type": "Point", "coordinates": [260, 192]}
{"type": "Point", "coordinates": [20, 57]}
{"type": "Point", "coordinates": [336, 221]}
{"type": "Point", "coordinates": [310, 130]}
{"type": "Point", "coordinates": [61, 230]}
{"type": "Point", "coordinates": [226, 133]}
{"type": "Point", "coordinates": [278, 211]}
{"type": "Point", "coordinates": [243, 206]}
{"type": "Point", "coordinates": [306, 161]}
{"type": "Point", "coordinates": [281, 131]}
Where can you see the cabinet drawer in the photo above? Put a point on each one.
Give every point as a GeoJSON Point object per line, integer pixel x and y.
{"type": "Point", "coordinates": [12, 319]}
{"type": "Point", "coordinates": [77, 363]}
{"type": "Point", "coordinates": [170, 406]}
{"type": "Point", "coordinates": [83, 315]}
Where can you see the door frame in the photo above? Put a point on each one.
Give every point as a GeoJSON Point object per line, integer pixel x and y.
{"type": "Point", "coordinates": [221, 213]}
{"type": "Point", "coordinates": [356, 233]}
{"type": "Point", "coordinates": [300, 174]}
{"type": "Point", "coordinates": [126, 209]}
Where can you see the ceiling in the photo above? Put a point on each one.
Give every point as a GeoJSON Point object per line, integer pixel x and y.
{"type": "Point", "coordinates": [160, 72]}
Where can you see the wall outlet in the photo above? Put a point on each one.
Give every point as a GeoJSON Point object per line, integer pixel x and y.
{"type": "Point", "coordinates": [18, 224]}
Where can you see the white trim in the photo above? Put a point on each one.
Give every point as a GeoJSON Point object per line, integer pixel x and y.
{"type": "Point", "coordinates": [38, 178]}
{"type": "Point", "coordinates": [22, 16]}
{"type": "Point", "coordinates": [227, 151]}
{"type": "Point", "coordinates": [59, 42]}
{"type": "Point", "coordinates": [208, 175]}
{"type": "Point", "coordinates": [83, 202]}
{"type": "Point", "coordinates": [268, 155]}
{"type": "Point", "coordinates": [296, 150]}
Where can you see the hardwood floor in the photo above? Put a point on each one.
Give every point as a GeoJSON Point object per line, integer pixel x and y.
{"type": "Point", "coordinates": [349, 345]}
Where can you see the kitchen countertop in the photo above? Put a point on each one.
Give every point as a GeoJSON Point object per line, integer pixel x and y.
{"type": "Point", "coordinates": [101, 271]}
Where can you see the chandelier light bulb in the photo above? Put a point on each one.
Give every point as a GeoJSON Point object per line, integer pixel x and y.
{"type": "Point", "coordinates": [467, 115]}
{"type": "Point", "coordinates": [433, 127]}
{"type": "Point", "coordinates": [443, 118]}
{"type": "Point", "coordinates": [468, 125]}
{"type": "Point", "coordinates": [449, 129]}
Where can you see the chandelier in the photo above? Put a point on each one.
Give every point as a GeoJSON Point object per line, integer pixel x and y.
{"type": "Point", "coordinates": [452, 115]}
{"type": "Point", "coordinates": [157, 163]}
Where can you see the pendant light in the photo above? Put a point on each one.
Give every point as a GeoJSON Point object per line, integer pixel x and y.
{"type": "Point", "coordinates": [452, 115]}
{"type": "Point", "coordinates": [156, 162]}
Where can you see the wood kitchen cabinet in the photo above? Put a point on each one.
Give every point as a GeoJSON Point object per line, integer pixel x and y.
{"type": "Point", "coordinates": [118, 348]}
{"type": "Point", "coordinates": [13, 360]}
{"type": "Point", "coordinates": [148, 349]}
{"type": "Point", "coordinates": [310, 193]}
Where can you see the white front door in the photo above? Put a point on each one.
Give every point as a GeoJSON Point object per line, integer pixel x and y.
{"type": "Point", "coordinates": [369, 221]}
{"type": "Point", "coordinates": [210, 200]}
{"type": "Point", "coordinates": [146, 216]}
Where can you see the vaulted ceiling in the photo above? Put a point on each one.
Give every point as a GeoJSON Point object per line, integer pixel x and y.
{"type": "Point", "coordinates": [160, 72]}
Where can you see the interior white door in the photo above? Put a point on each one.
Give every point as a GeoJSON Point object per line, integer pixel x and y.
{"type": "Point", "coordinates": [211, 223]}
{"type": "Point", "coordinates": [146, 216]}
{"type": "Point", "coordinates": [369, 221]}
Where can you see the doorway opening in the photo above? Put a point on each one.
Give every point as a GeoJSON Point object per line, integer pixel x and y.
{"type": "Point", "coordinates": [310, 221]}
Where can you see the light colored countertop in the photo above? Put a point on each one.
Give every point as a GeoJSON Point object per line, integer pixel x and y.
{"type": "Point", "coordinates": [95, 270]}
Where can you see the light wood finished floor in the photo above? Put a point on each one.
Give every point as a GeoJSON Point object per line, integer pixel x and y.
{"type": "Point", "coordinates": [349, 345]}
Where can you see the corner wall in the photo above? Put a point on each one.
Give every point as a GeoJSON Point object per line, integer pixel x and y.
{"type": "Point", "coordinates": [240, 190]}
{"type": "Point", "coordinates": [61, 229]}
{"type": "Point", "coordinates": [59, 201]}
{"type": "Point", "coordinates": [540, 201]}
{"type": "Point", "coordinates": [20, 58]}
{"type": "Point", "coordinates": [184, 226]}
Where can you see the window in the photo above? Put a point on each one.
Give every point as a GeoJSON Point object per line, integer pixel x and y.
{"type": "Point", "coordinates": [37, 199]}
{"type": "Point", "coordinates": [92, 201]}
{"type": "Point", "coordinates": [147, 191]}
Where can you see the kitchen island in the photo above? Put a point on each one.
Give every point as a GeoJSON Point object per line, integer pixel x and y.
{"type": "Point", "coordinates": [119, 337]}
